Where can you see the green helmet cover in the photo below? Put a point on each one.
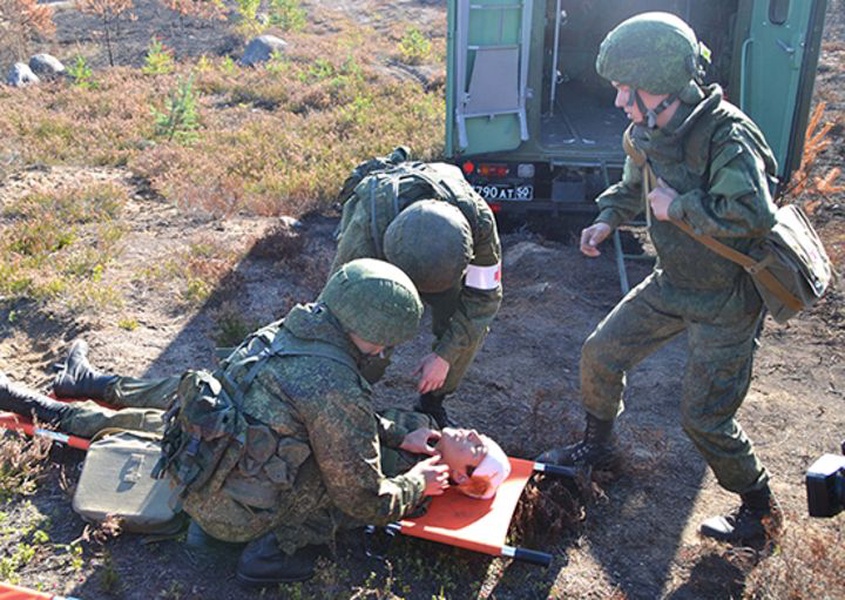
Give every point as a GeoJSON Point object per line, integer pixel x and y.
{"type": "Point", "coordinates": [431, 241]}
{"type": "Point", "coordinates": [374, 300]}
{"type": "Point", "coordinates": [655, 51]}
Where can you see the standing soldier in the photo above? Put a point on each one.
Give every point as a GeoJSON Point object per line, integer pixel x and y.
{"type": "Point", "coordinates": [714, 170]}
{"type": "Point", "coordinates": [427, 220]}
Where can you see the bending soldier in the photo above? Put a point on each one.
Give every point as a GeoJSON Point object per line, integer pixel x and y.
{"type": "Point", "coordinates": [311, 461]}
{"type": "Point", "coordinates": [443, 235]}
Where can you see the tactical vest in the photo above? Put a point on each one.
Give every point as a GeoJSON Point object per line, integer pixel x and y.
{"type": "Point", "coordinates": [205, 431]}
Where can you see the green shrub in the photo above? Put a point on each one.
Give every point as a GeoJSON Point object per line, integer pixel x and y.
{"type": "Point", "coordinates": [180, 119]}
{"type": "Point", "coordinates": [288, 15]}
{"type": "Point", "coordinates": [414, 47]}
{"type": "Point", "coordinates": [81, 74]}
{"type": "Point", "coordinates": [159, 60]}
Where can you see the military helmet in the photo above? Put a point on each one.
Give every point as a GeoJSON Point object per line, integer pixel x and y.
{"type": "Point", "coordinates": [374, 300]}
{"type": "Point", "coordinates": [655, 51]}
{"type": "Point", "coordinates": [431, 241]}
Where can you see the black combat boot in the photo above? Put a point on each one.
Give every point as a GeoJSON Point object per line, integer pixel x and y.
{"type": "Point", "coordinates": [25, 402]}
{"type": "Point", "coordinates": [596, 450]}
{"type": "Point", "coordinates": [198, 541]}
{"type": "Point", "coordinates": [432, 404]}
{"type": "Point", "coordinates": [77, 379]}
{"type": "Point", "coordinates": [758, 518]}
{"type": "Point", "coordinates": [262, 563]}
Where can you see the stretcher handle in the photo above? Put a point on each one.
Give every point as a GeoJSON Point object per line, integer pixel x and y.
{"type": "Point", "coordinates": [532, 556]}
{"type": "Point", "coordinates": [557, 470]}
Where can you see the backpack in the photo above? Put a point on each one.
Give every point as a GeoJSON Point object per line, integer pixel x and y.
{"type": "Point", "coordinates": [378, 163]}
{"type": "Point", "coordinates": [206, 425]}
{"type": "Point", "coordinates": [399, 186]}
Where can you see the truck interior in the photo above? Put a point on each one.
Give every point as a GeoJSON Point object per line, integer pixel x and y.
{"type": "Point", "coordinates": [577, 104]}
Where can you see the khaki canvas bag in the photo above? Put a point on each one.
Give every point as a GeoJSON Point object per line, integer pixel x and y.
{"type": "Point", "coordinates": [789, 267]}
{"type": "Point", "coordinates": [116, 481]}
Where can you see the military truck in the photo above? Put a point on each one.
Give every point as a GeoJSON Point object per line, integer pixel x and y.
{"type": "Point", "coordinates": [534, 128]}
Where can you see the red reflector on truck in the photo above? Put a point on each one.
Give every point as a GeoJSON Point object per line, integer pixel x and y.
{"type": "Point", "coordinates": [495, 171]}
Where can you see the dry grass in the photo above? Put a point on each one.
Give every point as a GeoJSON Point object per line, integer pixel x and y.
{"type": "Point", "coordinates": [807, 565]}
{"type": "Point", "coordinates": [807, 183]}
{"type": "Point", "coordinates": [276, 139]}
{"type": "Point", "coordinates": [22, 462]}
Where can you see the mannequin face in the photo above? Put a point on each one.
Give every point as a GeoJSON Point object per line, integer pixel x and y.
{"type": "Point", "coordinates": [461, 449]}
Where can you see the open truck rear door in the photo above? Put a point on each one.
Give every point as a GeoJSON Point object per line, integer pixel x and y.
{"type": "Point", "coordinates": [488, 88]}
{"type": "Point", "coordinates": [777, 67]}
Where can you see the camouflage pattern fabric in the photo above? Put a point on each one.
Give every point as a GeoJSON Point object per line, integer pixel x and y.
{"type": "Point", "coordinates": [462, 315]}
{"type": "Point", "coordinates": [393, 460]}
{"type": "Point", "coordinates": [311, 464]}
{"type": "Point", "coordinates": [375, 300]}
{"type": "Point", "coordinates": [86, 419]}
{"type": "Point", "coordinates": [655, 52]}
{"type": "Point", "coordinates": [719, 163]}
{"type": "Point", "coordinates": [141, 402]}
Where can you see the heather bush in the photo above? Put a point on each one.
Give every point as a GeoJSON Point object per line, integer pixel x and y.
{"type": "Point", "coordinates": [54, 245]}
{"type": "Point", "coordinates": [275, 139]}
{"type": "Point", "coordinates": [20, 22]}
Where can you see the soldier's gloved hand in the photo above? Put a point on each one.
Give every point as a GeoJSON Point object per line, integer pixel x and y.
{"type": "Point", "coordinates": [421, 441]}
{"type": "Point", "coordinates": [432, 371]}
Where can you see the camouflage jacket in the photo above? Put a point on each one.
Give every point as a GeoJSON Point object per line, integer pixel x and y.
{"type": "Point", "coordinates": [476, 308]}
{"type": "Point", "coordinates": [723, 170]}
{"type": "Point", "coordinates": [316, 407]}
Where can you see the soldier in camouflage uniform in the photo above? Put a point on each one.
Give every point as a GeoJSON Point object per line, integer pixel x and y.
{"type": "Point", "coordinates": [714, 173]}
{"type": "Point", "coordinates": [450, 249]}
{"type": "Point", "coordinates": [311, 462]}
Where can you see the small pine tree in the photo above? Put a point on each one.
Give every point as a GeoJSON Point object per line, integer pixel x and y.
{"type": "Point", "coordinates": [159, 60]}
{"type": "Point", "coordinates": [180, 120]}
{"type": "Point", "coordinates": [81, 74]}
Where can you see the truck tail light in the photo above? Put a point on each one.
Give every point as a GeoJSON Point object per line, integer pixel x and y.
{"type": "Point", "coordinates": [493, 171]}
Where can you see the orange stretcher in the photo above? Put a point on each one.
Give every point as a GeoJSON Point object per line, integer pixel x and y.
{"type": "Point", "coordinates": [478, 525]}
{"type": "Point", "coordinates": [20, 423]}
{"type": "Point", "coordinates": [14, 592]}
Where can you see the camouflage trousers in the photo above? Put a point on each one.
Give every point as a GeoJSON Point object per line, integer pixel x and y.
{"type": "Point", "coordinates": [716, 378]}
{"type": "Point", "coordinates": [140, 404]}
{"type": "Point", "coordinates": [443, 306]}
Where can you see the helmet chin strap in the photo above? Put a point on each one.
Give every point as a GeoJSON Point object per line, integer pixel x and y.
{"type": "Point", "coordinates": [651, 114]}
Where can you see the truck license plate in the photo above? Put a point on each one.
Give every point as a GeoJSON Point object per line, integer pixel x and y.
{"type": "Point", "coordinates": [505, 191]}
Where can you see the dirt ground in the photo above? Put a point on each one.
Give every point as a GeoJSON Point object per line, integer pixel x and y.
{"type": "Point", "coordinates": [639, 538]}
